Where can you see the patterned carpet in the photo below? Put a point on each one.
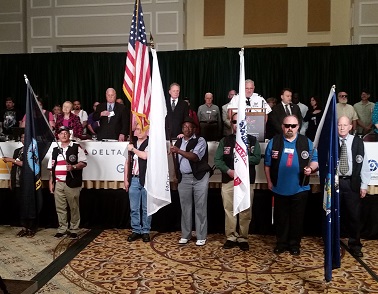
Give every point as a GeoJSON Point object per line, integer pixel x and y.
{"type": "Point", "coordinates": [110, 264]}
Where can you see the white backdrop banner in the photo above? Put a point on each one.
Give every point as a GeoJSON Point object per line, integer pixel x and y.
{"type": "Point", "coordinates": [106, 161]}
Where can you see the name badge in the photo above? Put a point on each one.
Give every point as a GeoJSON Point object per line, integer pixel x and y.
{"type": "Point", "coordinates": [226, 150]}
{"type": "Point", "coordinates": [289, 151]}
{"type": "Point", "coordinates": [209, 112]}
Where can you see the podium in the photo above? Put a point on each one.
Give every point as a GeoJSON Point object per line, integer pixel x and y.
{"type": "Point", "coordinates": [256, 121]}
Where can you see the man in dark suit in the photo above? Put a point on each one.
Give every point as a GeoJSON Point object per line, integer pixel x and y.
{"type": "Point", "coordinates": [114, 118]}
{"type": "Point", "coordinates": [279, 112]}
{"type": "Point", "coordinates": [177, 111]}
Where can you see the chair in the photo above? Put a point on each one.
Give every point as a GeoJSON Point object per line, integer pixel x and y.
{"type": "Point", "coordinates": [371, 137]}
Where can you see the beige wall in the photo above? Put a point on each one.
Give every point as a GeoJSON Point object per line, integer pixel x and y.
{"type": "Point", "coordinates": [297, 34]}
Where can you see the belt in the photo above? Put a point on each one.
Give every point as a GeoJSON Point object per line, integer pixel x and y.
{"type": "Point", "coordinates": [345, 177]}
{"type": "Point", "coordinates": [135, 176]}
{"type": "Point", "coordinates": [208, 122]}
{"type": "Point", "coordinates": [188, 173]}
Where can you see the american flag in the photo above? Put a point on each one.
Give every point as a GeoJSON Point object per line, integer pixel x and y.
{"type": "Point", "coordinates": [137, 79]}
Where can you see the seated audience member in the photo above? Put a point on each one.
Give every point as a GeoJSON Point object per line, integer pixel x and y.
{"type": "Point", "coordinates": [210, 119]}
{"type": "Point", "coordinates": [48, 114]}
{"type": "Point", "coordinates": [236, 226]}
{"type": "Point", "coordinates": [29, 224]}
{"type": "Point", "coordinates": [69, 120]}
{"type": "Point", "coordinates": [134, 183]}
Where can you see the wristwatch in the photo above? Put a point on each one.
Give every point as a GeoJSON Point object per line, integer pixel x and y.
{"type": "Point", "coordinates": [74, 166]}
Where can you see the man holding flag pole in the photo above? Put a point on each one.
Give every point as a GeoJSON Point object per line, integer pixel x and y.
{"type": "Point", "coordinates": [146, 108]}
{"type": "Point", "coordinates": [242, 152]}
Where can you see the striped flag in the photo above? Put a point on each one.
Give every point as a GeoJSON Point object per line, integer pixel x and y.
{"type": "Point", "coordinates": [137, 79]}
{"type": "Point", "coordinates": [242, 200]}
{"type": "Point", "coordinates": [157, 175]}
{"type": "Point", "coordinates": [327, 142]}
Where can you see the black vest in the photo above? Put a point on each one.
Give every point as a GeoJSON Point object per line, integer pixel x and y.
{"type": "Point", "coordinates": [199, 168]}
{"type": "Point", "coordinates": [74, 178]}
{"type": "Point", "coordinates": [141, 162]}
{"type": "Point", "coordinates": [300, 146]}
{"type": "Point", "coordinates": [228, 159]}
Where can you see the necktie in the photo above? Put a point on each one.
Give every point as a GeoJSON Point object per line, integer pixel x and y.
{"type": "Point", "coordinates": [248, 102]}
{"type": "Point", "coordinates": [110, 109]}
{"type": "Point", "coordinates": [173, 105]}
{"type": "Point", "coordinates": [343, 165]}
{"type": "Point", "coordinates": [287, 109]}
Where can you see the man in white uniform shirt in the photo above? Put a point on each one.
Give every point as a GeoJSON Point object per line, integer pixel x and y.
{"type": "Point", "coordinates": [253, 100]}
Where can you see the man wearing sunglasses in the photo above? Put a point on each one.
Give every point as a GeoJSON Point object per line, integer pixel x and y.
{"type": "Point", "coordinates": [289, 160]}
{"type": "Point", "coordinates": [345, 109]}
{"type": "Point", "coordinates": [224, 161]}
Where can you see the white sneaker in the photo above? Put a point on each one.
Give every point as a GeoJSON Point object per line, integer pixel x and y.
{"type": "Point", "coordinates": [183, 241]}
{"type": "Point", "coordinates": [201, 242]}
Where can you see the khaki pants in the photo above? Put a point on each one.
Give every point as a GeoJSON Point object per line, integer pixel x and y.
{"type": "Point", "coordinates": [245, 216]}
{"type": "Point", "coordinates": [63, 195]}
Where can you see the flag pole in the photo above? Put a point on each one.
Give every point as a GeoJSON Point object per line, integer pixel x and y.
{"type": "Point", "coordinates": [40, 108]}
{"type": "Point", "coordinates": [2, 154]}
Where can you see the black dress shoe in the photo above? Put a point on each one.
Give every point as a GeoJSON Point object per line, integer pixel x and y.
{"type": "Point", "coordinates": [133, 237]}
{"type": "Point", "coordinates": [229, 244]}
{"type": "Point", "coordinates": [146, 237]}
{"type": "Point", "coordinates": [295, 251]}
{"type": "Point", "coordinates": [22, 233]}
{"type": "Point", "coordinates": [279, 250]}
{"type": "Point", "coordinates": [356, 252]}
{"type": "Point", "coordinates": [243, 246]}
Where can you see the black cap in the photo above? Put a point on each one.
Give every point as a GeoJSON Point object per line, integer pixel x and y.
{"type": "Point", "coordinates": [190, 120]}
{"type": "Point", "coordinates": [63, 128]}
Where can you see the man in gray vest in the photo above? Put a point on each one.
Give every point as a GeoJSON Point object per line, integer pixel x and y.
{"type": "Point", "coordinates": [354, 177]}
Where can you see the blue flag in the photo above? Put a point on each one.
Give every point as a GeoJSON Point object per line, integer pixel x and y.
{"type": "Point", "coordinates": [327, 143]}
{"type": "Point", "coordinates": [38, 137]}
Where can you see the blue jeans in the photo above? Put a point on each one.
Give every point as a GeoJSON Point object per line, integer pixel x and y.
{"type": "Point", "coordinates": [138, 195]}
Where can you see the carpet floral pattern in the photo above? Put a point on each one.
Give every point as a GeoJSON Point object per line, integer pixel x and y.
{"type": "Point", "coordinates": [110, 264]}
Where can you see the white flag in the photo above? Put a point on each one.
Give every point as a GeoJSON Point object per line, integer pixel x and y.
{"type": "Point", "coordinates": [157, 174]}
{"type": "Point", "coordinates": [242, 200]}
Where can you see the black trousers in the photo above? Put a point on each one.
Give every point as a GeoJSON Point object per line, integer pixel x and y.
{"type": "Point", "coordinates": [350, 212]}
{"type": "Point", "coordinates": [288, 218]}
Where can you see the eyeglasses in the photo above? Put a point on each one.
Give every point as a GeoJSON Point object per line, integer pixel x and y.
{"type": "Point", "coordinates": [344, 96]}
{"type": "Point", "coordinates": [234, 122]}
{"type": "Point", "coordinates": [293, 126]}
